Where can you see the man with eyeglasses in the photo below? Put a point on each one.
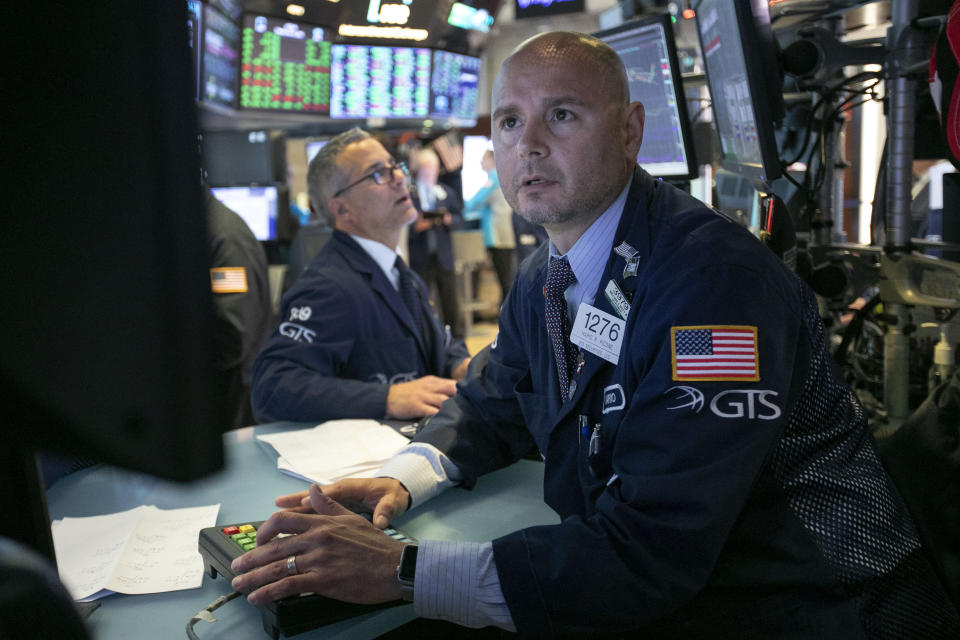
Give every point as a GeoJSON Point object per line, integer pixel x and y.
{"type": "Point", "coordinates": [357, 337]}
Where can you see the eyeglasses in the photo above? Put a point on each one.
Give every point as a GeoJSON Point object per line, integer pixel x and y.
{"type": "Point", "coordinates": [381, 176]}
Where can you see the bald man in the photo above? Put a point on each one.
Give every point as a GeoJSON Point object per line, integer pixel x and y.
{"type": "Point", "coordinates": [712, 473]}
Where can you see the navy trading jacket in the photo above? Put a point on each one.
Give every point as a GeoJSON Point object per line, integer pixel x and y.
{"type": "Point", "coordinates": [344, 337]}
{"type": "Point", "coordinates": [446, 198]}
{"type": "Point", "coordinates": [705, 490]}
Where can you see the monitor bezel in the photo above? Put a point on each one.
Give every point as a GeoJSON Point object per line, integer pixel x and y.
{"type": "Point", "coordinates": [686, 127]}
{"type": "Point", "coordinates": [750, 41]}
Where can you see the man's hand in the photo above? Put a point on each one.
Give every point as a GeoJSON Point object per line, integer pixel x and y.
{"type": "Point", "coordinates": [418, 398]}
{"type": "Point", "coordinates": [385, 498]}
{"type": "Point", "coordinates": [338, 554]}
{"type": "Point", "coordinates": [422, 224]}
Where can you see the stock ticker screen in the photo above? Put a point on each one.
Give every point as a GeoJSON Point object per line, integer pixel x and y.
{"type": "Point", "coordinates": [372, 81]}
{"type": "Point", "coordinates": [454, 86]}
{"type": "Point", "coordinates": [285, 66]}
{"type": "Point", "coordinates": [653, 75]}
{"type": "Point", "coordinates": [221, 39]}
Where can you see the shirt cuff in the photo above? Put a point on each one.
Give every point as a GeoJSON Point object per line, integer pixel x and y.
{"type": "Point", "coordinates": [423, 470]}
{"type": "Point", "coordinates": [458, 582]}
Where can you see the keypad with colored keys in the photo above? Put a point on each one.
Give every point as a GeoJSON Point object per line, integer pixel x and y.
{"type": "Point", "coordinates": [221, 544]}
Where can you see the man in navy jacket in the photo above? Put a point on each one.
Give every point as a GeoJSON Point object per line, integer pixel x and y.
{"type": "Point", "coordinates": [348, 346]}
{"type": "Point", "coordinates": [713, 473]}
{"type": "Point", "coordinates": [430, 242]}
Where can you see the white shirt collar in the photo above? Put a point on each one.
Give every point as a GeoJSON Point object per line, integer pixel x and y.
{"type": "Point", "coordinates": [384, 256]}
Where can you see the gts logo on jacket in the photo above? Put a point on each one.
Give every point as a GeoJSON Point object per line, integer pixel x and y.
{"type": "Point", "coordinates": [732, 403]}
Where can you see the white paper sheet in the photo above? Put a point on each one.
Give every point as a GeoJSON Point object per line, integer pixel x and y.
{"type": "Point", "coordinates": [335, 449]}
{"type": "Point", "coordinates": [143, 550]}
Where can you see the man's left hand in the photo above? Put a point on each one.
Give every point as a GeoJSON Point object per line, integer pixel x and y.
{"type": "Point", "coordinates": [338, 554]}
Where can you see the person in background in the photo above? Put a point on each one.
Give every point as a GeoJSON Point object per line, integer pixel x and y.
{"type": "Point", "coordinates": [430, 246]}
{"type": "Point", "coordinates": [241, 298]}
{"type": "Point", "coordinates": [357, 337]}
{"type": "Point", "coordinates": [496, 219]}
{"type": "Point", "coordinates": [712, 472]}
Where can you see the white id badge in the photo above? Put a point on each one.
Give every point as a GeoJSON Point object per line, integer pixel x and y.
{"type": "Point", "coordinates": [598, 332]}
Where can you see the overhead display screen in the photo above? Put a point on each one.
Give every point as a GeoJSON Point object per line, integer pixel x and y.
{"type": "Point", "coordinates": [732, 38]}
{"type": "Point", "coordinates": [221, 41]}
{"type": "Point", "coordinates": [647, 50]}
{"type": "Point", "coordinates": [285, 66]}
{"type": "Point", "coordinates": [453, 87]}
{"type": "Point", "coordinates": [387, 82]}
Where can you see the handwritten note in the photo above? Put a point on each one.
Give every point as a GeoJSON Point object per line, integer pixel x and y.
{"type": "Point", "coordinates": [143, 550]}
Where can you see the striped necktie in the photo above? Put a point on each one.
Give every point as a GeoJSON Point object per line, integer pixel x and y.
{"type": "Point", "coordinates": [559, 278]}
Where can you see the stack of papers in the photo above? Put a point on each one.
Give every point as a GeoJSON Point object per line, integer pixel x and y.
{"type": "Point", "coordinates": [143, 550]}
{"type": "Point", "coordinates": [335, 450]}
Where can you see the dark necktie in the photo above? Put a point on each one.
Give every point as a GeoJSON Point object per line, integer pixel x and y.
{"type": "Point", "coordinates": [411, 299]}
{"type": "Point", "coordinates": [408, 293]}
{"type": "Point", "coordinates": [559, 278]}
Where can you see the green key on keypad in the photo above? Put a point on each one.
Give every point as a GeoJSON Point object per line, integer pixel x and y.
{"type": "Point", "coordinates": [246, 538]}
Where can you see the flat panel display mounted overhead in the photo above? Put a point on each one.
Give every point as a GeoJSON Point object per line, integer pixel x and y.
{"type": "Point", "coordinates": [454, 87]}
{"type": "Point", "coordinates": [285, 66]}
{"type": "Point", "coordinates": [376, 81]}
{"type": "Point", "coordinates": [647, 49]}
{"type": "Point", "coordinates": [219, 58]}
{"type": "Point", "coordinates": [738, 56]}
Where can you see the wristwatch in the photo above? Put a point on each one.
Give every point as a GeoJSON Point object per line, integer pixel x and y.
{"type": "Point", "coordinates": [406, 571]}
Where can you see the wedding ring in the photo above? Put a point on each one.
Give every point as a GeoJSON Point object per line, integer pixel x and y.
{"type": "Point", "coordinates": [292, 565]}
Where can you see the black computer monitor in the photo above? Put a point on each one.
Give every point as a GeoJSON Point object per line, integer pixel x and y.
{"type": "Point", "coordinates": [220, 60]}
{"type": "Point", "coordinates": [256, 205]}
{"type": "Point", "coordinates": [284, 66]}
{"type": "Point", "coordinates": [107, 331]}
{"type": "Point", "coordinates": [649, 54]}
{"type": "Point", "coordinates": [242, 157]}
{"type": "Point", "coordinates": [375, 81]}
{"type": "Point", "coordinates": [454, 88]}
{"type": "Point", "coordinates": [740, 61]}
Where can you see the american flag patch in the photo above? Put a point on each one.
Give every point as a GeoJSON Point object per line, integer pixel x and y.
{"type": "Point", "coordinates": [714, 353]}
{"type": "Point", "coordinates": [228, 280]}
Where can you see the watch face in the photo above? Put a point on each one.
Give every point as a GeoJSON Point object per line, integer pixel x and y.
{"type": "Point", "coordinates": [408, 564]}
{"type": "Point", "coordinates": [407, 570]}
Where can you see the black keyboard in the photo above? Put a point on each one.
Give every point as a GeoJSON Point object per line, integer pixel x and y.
{"type": "Point", "coordinates": [220, 545]}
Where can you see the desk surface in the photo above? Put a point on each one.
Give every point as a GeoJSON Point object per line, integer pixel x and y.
{"type": "Point", "coordinates": [501, 502]}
